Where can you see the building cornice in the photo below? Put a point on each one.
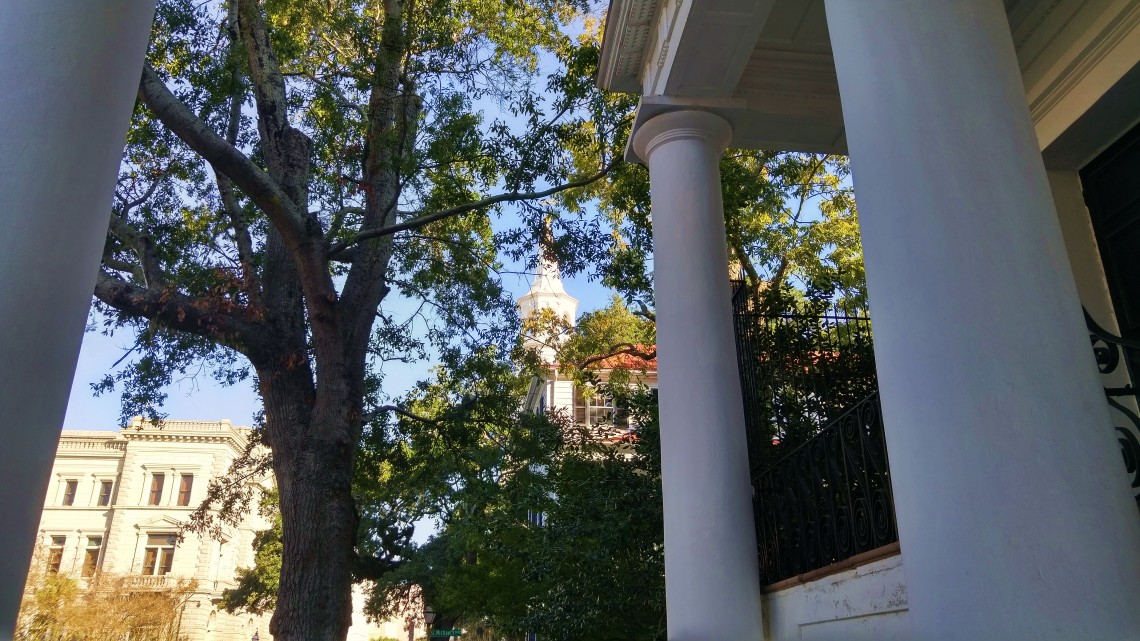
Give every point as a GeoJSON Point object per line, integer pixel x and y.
{"type": "Point", "coordinates": [629, 29]}
{"type": "Point", "coordinates": [186, 438]}
{"type": "Point", "coordinates": [70, 447]}
{"type": "Point", "coordinates": [221, 432]}
{"type": "Point", "coordinates": [1088, 54]}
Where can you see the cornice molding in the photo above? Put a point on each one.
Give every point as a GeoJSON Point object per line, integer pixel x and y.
{"type": "Point", "coordinates": [97, 445]}
{"type": "Point", "coordinates": [629, 25]}
{"type": "Point", "coordinates": [185, 438]}
{"type": "Point", "coordinates": [1025, 18]}
{"type": "Point", "coordinates": [1102, 56]}
{"type": "Point", "coordinates": [661, 46]}
{"type": "Point", "coordinates": [1097, 48]}
{"type": "Point", "coordinates": [180, 431]}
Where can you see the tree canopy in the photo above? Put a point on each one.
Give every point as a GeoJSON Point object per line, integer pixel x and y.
{"type": "Point", "coordinates": [545, 528]}
{"type": "Point", "coordinates": [308, 191]}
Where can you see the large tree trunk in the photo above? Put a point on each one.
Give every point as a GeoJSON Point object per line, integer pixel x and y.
{"type": "Point", "coordinates": [313, 465]}
{"type": "Point", "coordinates": [314, 602]}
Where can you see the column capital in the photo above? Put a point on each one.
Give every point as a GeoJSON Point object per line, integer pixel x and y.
{"type": "Point", "coordinates": [689, 124]}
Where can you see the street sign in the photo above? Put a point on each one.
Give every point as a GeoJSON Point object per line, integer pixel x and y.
{"type": "Point", "coordinates": [446, 633]}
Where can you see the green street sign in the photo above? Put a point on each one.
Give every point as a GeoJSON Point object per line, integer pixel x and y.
{"type": "Point", "coordinates": [446, 633]}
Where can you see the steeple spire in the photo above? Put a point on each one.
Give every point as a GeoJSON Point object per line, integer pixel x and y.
{"type": "Point", "coordinates": [548, 278]}
{"type": "Point", "coordinates": [547, 292]}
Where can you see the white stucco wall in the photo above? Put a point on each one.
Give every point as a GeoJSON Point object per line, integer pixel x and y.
{"type": "Point", "coordinates": [864, 603]}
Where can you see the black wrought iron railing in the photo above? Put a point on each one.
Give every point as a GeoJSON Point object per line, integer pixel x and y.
{"type": "Point", "coordinates": [828, 500]}
{"type": "Point", "coordinates": [798, 371]}
{"type": "Point", "coordinates": [815, 436]}
{"type": "Point", "coordinates": [1118, 360]}
{"type": "Point", "coordinates": [820, 469]}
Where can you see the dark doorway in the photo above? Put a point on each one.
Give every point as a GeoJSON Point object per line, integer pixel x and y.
{"type": "Point", "coordinates": [1112, 192]}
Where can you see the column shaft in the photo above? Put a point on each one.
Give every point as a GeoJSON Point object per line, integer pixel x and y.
{"type": "Point", "coordinates": [70, 74]}
{"type": "Point", "coordinates": [711, 569]}
{"type": "Point", "coordinates": [1013, 510]}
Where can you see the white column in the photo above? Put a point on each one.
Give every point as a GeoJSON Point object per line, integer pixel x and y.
{"type": "Point", "coordinates": [69, 75]}
{"type": "Point", "coordinates": [1014, 516]}
{"type": "Point", "coordinates": [712, 580]}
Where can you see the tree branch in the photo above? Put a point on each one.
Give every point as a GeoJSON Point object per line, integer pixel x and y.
{"type": "Point", "coordinates": [203, 317]}
{"type": "Point", "coordinates": [405, 413]}
{"type": "Point", "coordinates": [337, 93]}
{"type": "Point", "coordinates": [756, 284]}
{"type": "Point", "coordinates": [131, 204]}
{"type": "Point", "coordinates": [224, 157]}
{"type": "Point", "coordinates": [617, 350]}
{"type": "Point", "coordinates": [338, 219]}
{"type": "Point", "coordinates": [643, 311]}
{"type": "Point", "coordinates": [287, 149]}
{"type": "Point", "coordinates": [123, 266]}
{"type": "Point", "coordinates": [425, 219]}
{"type": "Point", "coordinates": [242, 239]}
{"type": "Point", "coordinates": [143, 247]}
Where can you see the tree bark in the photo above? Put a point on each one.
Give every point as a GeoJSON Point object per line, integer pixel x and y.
{"type": "Point", "coordinates": [312, 460]}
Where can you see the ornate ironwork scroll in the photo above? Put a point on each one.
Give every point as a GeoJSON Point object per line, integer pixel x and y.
{"type": "Point", "coordinates": [1111, 352]}
{"type": "Point", "coordinates": [828, 499]}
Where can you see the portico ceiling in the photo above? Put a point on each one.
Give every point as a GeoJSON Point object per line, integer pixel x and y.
{"type": "Point", "coordinates": [767, 67]}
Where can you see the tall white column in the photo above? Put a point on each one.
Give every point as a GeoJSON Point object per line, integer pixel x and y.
{"type": "Point", "coordinates": [1013, 513]}
{"type": "Point", "coordinates": [70, 74]}
{"type": "Point", "coordinates": [712, 579]}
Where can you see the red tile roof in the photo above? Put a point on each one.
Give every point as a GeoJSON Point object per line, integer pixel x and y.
{"type": "Point", "coordinates": [630, 361]}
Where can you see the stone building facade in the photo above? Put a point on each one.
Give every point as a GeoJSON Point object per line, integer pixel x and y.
{"type": "Point", "coordinates": [116, 501]}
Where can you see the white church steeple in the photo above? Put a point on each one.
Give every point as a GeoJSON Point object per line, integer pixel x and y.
{"type": "Point", "coordinates": [547, 292]}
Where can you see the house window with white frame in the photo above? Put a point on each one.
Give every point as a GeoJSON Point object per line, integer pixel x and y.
{"type": "Point", "coordinates": [158, 556]}
{"type": "Point", "coordinates": [599, 409]}
{"type": "Point", "coordinates": [69, 489]}
{"type": "Point", "coordinates": [105, 490]}
{"type": "Point", "coordinates": [91, 555]}
{"type": "Point", "coordinates": [55, 553]}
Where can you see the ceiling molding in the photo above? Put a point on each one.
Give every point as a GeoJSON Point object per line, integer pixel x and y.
{"type": "Point", "coordinates": [1096, 59]}
{"type": "Point", "coordinates": [709, 46]}
{"type": "Point", "coordinates": [629, 24]}
{"type": "Point", "coordinates": [1025, 18]}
